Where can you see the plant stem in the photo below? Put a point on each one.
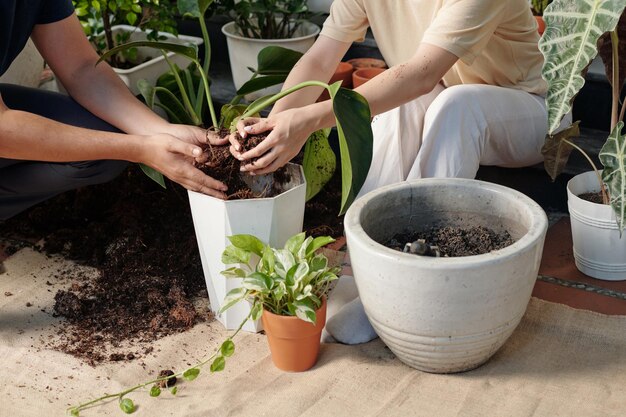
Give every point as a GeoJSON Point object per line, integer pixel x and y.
{"type": "Point", "coordinates": [205, 70]}
{"type": "Point", "coordinates": [605, 194]}
{"type": "Point", "coordinates": [615, 82]}
{"type": "Point", "coordinates": [205, 82]}
{"type": "Point", "coordinates": [196, 119]}
{"type": "Point", "coordinates": [108, 34]}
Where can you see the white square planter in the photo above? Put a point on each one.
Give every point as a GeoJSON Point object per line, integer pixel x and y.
{"type": "Point", "coordinates": [152, 69]}
{"type": "Point", "coordinates": [272, 220]}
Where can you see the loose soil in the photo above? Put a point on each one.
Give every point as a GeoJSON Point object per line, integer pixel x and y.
{"type": "Point", "coordinates": [454, 241]}
{"type": "Point", "coordinates": [592, 197]}
{"type": "Point", "coordinates": [140, 239]}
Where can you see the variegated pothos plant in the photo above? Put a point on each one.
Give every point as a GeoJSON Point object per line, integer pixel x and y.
{"type": "Point", "coordinates": [575, 31]}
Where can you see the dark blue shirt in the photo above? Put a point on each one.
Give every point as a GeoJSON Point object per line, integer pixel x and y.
{"type": "Point", "coordinates": [17, 19]}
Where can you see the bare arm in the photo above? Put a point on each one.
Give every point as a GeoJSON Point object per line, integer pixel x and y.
{"type": "Point", "coordinates": [292, 126]}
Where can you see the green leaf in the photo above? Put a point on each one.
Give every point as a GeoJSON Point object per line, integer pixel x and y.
{"type": "Point", "coordinates": [301, 272]}
{"type": "Point", "coordinates": [257, 281]}
{"type": "Point", "coordinates": [294, 243]}
{"type": "Point", "coordinates": [304, 310]}
{"type": "Point", "coordinates": [267, 260]}
{"type": "Point", "coordinates": [153, 174]}
{"type": "Point", "coordinates": [230, 113]}
{"type": "Point", "coordinates": [127, 405]}
{"type": "Point", "coordinates": [218, 364]}
{"type": "Point", "coordinates": [260, 83]}
{"type": "Point", "coordinates": [317, 243]}
{"type": "Point", "coordinates": [318, 263]}
{"type": "Point", "coordinates": [319, 163]}
{"type": "Point", "coordinates": [568, 46]}
{"type": "Point", "coordinates": [257, 311]}
{"type": "Point", "coordinates": [248, 243]}
{"type": "Point", "coordinates": [277, 60]}
{"type": "Point", "coordinates": [284, 261]}
{"type": "Point", "coordinates": [193, 8]}
{"type": "Point", "coordinates": [74, 412]}
{"type": "Point", "coordinates": [172, 105]}
{"type": "Point", "coordinates": [191, 374]}
{"type": "Point", "coordinates": [556, 151]}
{"type": "Point", "coordinates": [227, 349]}
{"type": "Point", "coordinates": [155, 391]}
{"type": "Point", "coordinates": [234, 272]}
{"type": "Point", "coordinates": [186, 51]}
{"type": "Point", "coordinates": [234, 255]}
{"type": "Point", "coordinates": [131, 18]}
{"type": "Point", "coordinates": [613, 157]}
{"type": "Point", "coordinates": [174, 390]}
{"type": "Point", "coordinates": [356, 139]}
{"type": "Point", "coordinates": [233, 297]}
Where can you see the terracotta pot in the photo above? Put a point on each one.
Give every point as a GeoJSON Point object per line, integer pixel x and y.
{"type": "Point", "coordinates": [363, 75]}
{"type": "Point", "coordinates": [367, 63]}
{"type": "Point", "coordinates": [343, 73]}
{"type": "Point", "coordinates": [294, 343]}
{"type": "Point", "coordinates": [541, 24]}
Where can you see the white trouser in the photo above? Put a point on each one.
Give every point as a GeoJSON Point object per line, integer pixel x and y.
{"type": "Point", "coordinates": [449, 132]}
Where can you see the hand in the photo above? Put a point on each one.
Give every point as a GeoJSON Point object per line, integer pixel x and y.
{"type": "Point", "coordinates": [289, 132]}
{"type": "Point", "coordinates": [175, 159]}
{"type": "Point", "coordinates": [195, 135]}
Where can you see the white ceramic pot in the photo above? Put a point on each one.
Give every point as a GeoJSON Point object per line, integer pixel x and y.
{"type": "Point", "coordinates": [598, 249]}
{"type": "Point", "coordinates": [153, 68]}
{"type": "Point", "coordinates": [444, 314]}
{"type": "Point", "coordinates": [243, 52]}
{"type": "Point", "coordinates": [272, 220]}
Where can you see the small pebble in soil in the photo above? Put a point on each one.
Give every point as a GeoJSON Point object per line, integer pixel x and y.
{"type": "Point", "coordinates": [167, 383]}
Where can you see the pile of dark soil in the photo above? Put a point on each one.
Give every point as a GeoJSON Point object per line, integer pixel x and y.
{"type": "Point", "coordinates": [595, 197]}
{"type": "Point", "coordinates": [455, 241]}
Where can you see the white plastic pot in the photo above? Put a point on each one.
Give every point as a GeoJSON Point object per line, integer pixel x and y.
{"type": "Point", "coordinates": [272, 220]}
{"type": "Point", "coordinates": [153, 68]}
{"type": "Point", "coordinates": [444, 314]}
{"type": "Point", "coordinates": [598, 249]}
{"type": "Point", "coordinates": [243, 52]}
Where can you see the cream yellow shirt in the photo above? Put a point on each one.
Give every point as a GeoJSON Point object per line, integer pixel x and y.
{"type": "Point", "coordinates": [495, 40]}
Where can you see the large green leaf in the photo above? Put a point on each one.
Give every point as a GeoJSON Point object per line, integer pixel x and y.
{"type": "Point", "coordinates": [556, 150]}
{"type": "Point", "coordinates": [276, 60]}
{"type": "Point", "coordinates": [613, 157]}
{"type": "Point", "coordinates": [353, 117]}
{"type": "Point", "coordinates": [259, 83]}
{"type": "Point", "coordinates": [193, 8]}
{"type": "Point", "coordinates": [172, 106]}
{"type": "Point", "coordinates": [153, 174]}
{"type": "Point", "coordinates": [568, 46]}
{"type": "Point", "coordinates": [319, 163]}
{"type": "Point", "coordinates": [187, 51]}
{"type": "Point", "coordinates": [230, 113]}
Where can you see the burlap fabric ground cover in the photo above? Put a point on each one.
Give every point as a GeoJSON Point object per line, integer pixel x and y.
{"type": "Point", "coordinates": [559, 362]}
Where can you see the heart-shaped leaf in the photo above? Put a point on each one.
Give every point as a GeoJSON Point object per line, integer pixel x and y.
{"type": "Point", "coordinates": [613, 157]}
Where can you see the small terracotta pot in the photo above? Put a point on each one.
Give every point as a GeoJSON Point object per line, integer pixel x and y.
{"type": "Point", "coordinates": [343, 73]}
{"type": "Point", "coordinates": [541, 24]}
{"type": "Point", "coordinates": [294, 343]}
{"type": "Point", "coordinates": [358, 63]}
{"type": "Point", "coordinates": [363, 75]}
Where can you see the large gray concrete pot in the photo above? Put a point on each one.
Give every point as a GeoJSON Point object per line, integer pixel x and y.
{"type": "Point", "coordinates": [444, 314]}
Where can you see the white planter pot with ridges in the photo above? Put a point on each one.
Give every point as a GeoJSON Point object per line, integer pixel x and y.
{"type": "Point", "coordinates": [272, 220]}
{"type": "Point", "coordinates": [598, 249]}
{"type": "Point", "coordinates": [243, 52]}
{"type": "Point", "coordinates": [444, 314]}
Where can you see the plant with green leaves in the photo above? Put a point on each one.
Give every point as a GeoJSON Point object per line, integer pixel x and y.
{"type": "Point", "coordinates": [352, 113]}
{"type": "Point", "coordinates": [97, 17]}
{"type": "Point", "coordinates": [265, 19]}
{"type": "Point", "coordinates": [289, 281]}
{"type": "Point", "coordinates": [539, 6]}
{"type": "Point", "coordinates": [575, 31]}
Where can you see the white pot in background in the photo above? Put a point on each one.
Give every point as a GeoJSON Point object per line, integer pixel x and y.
{"type": "Point", "coordinates": [598, 249]}
{"type": "Point", "coordinates": [151, 69]}
{"type": "Point", "coordinates": [243, 52]}
{"type": "Point", "coordinates": [272, 220]}
{"type": "Point", "coordinates": [444, 314]}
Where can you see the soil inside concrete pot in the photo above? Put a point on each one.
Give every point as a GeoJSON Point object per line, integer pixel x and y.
{"type": "Point", "coordinates": [450, 241]}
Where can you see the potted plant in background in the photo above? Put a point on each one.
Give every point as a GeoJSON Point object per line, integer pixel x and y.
{"type": "Point", "coordinates": [444, 314]}
{"type": "Point", "coordinates": [289, 285]}
{"type": "Point", "coordinates": [261, 23]}
{"type": "Point", "coordinates": [538, 7]}
{"type": "Point", "coordinates": [287, 288]}
{"type": "Point", "coordinates": [597, 228]}
{"type": "Point", "coordinates": [111, 23]}
{"type": "Point", "coordinates": [215, 219]}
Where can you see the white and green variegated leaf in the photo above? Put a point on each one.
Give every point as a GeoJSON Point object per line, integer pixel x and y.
{"type": "Point", "coordinates": [258, 282]}
{"type": "Point", "coordinates": [267, 262]}
{"type": "Point", "coordinates": [232, 298]}
{"type": "Point", "coordinates": [568, 46]}
{"type": "Point", "coordinates": [302, 252]}
{"type": "Point", "coordinates": [613, 157]}
{"type": "Point", "coordinates": [234, 272]}
{"type": "Point", "coordinates": [301, 272]}
{"type": "Point", "coordinates": [318, 263]}
{"type": "Point", "coordinates": [317, 243]}
{"type": "Point", "coordinates": [234, 255]}
{"type": "Point", "coordinates": [306, 292]}
{"type": "Point", "coordinates": [295, 242]}
{"type": "Point", "coordinates": [303, 309]}
{"type": "Point", "coordinates": [284, 261]}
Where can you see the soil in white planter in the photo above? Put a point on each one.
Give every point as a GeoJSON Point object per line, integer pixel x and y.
{"type": "Point", "coordinates": [595, 197]}
{"type": "Point", "coordinates": [450, 241]}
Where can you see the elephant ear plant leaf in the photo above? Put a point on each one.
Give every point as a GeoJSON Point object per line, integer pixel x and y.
{"type": "Point", "coordinates": [575, 30]}
{"type": "Point", "coordinates": [289, 281]}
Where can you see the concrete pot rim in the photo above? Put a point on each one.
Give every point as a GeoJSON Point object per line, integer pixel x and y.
{"type": "Point", "coordinates": [308, 27]}
{"type": "Point", "coordinates": [537, 230]}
